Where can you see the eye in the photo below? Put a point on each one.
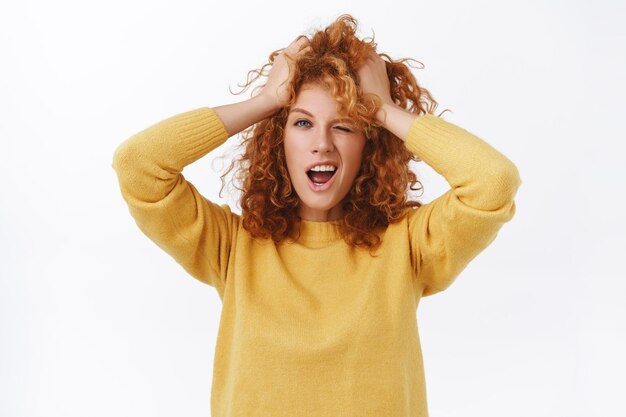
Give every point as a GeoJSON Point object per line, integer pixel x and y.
{"type": "Point", "coordinates": [305, 121]}
{"type": "Point", "coordinates": [345, 129]}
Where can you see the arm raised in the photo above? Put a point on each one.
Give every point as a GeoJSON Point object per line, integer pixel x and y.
{"type": "Point", "coordinates": [447, 233]}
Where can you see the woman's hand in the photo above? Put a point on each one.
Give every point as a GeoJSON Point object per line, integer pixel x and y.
{"type": "Point", "coordinates": [275, 90]}
{"type": "Point", "coordinates": [373, 78]}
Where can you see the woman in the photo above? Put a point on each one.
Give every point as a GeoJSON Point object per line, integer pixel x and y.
{"type": "Point", "coordinates": [321, 275]}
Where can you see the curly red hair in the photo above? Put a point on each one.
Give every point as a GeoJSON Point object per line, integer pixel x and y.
{"type": "Point", "coordinates": [379, 194]}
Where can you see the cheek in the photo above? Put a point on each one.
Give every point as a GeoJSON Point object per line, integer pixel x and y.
{"type": "Point", "coordinates": [292, 156]}
{"type": "Point", "coordinates": [291, 143]}
{"type": "Point", "coordinates": [354, 158]}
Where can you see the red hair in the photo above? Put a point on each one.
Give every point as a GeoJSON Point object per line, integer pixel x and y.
{"type": "Point", "coordinates": [379, 194]}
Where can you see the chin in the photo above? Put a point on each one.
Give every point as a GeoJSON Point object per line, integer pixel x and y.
{"type": "Point", "coordinates": [317, 203]}
{"type": "Point", "coordinates": [318, 207]}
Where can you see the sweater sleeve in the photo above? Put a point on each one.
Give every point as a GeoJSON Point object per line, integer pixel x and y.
{"type": "Point", "coordinates": [168, 209]}
{"type": "Point", "coordinates": [450, 231]}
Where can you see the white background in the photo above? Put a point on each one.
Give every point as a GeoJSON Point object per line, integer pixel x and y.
{"type": "Point", "coordinates": [95, 320]}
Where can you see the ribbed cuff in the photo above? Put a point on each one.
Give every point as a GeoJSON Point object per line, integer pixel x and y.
{"type": "Point", "coordinates": [460, 156]}
{"type": "Point", "coordinates": [198, 131]}
{"type": "Point", "coordinates": [429, 138]}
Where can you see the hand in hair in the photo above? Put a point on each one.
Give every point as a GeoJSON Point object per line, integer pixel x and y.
{"type": "Point", "coordinates": [373, 78]}
{"type": "Point", "coordinates": [276, 90]}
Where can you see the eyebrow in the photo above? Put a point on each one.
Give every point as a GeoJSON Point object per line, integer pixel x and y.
{"type": "Point", "coordinates": [341, 119]}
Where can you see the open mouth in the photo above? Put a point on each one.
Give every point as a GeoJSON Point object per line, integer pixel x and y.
{"type": "Point", "coordinates": [321, 180]}
{"type": "Point", "coordinates": [320, 177]}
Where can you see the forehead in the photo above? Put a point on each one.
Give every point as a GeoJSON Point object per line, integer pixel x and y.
{"type": "Point", "coordinates": [315, 101]}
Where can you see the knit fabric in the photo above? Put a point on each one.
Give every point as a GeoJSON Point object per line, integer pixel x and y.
{"type": "Point", "coordinates": [315, 327]}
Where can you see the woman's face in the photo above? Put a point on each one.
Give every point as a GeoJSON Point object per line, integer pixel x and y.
{"type": "Point", "coordinates": [315, 135]}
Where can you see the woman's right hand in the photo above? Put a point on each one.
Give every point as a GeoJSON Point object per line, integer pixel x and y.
{"type": "Point", "coordinates": [280, 75]}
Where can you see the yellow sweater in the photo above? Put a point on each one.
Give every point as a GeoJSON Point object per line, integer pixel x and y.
{"type": "Point", "coordinates": [316, 328]}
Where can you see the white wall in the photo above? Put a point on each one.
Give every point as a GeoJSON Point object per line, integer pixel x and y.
{"type": "Point", "coordinates": [96, 320]}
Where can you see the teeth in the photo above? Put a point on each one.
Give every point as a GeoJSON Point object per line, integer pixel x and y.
{"type": "Point", "coordinates": [323, 168]}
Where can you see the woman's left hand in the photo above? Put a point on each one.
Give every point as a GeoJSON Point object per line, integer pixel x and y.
{"type": "Point", "coordinates": [373, 78]}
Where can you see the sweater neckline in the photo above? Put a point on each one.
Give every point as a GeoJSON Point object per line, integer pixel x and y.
{"type": "Point", "coordinates": [320, 231]}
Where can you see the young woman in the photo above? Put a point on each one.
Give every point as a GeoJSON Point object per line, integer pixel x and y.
{"type": "Point", "coordinates": [321, 275]}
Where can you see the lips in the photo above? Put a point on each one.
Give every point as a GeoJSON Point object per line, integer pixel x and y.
{"type": "Point", "coordinates": [333, 163]}
{"type": "Point", "coordinates": [320, 177]}
{"type": "Point", "coordinates": [321, 187]}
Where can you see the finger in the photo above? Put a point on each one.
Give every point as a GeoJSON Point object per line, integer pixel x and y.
{"type": "Point", "coordinates": [298, 43]}
{"type": "Point", "coordinates": [292, 54]}
{"type": "Point", "coordinates": [304, 50]}
{"type": "Point", "coordinates": [302, 40]}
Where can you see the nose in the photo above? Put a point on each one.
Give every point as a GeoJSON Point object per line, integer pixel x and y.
{"type": "Point", "coordinates": [323, 142]}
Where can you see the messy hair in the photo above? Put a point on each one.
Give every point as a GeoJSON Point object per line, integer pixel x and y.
{"type": "Point", "coordinates": [379, 194]}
